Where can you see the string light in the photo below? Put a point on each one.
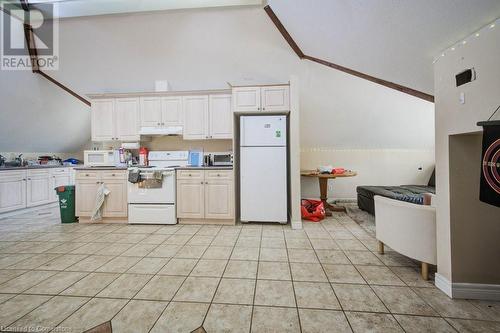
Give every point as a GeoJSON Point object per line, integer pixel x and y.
{"type": "Point", "coordinates": [462, 43]}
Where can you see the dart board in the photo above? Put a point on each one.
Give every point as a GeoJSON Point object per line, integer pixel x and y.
{"type": "Point", "coordinates": [490, 166]}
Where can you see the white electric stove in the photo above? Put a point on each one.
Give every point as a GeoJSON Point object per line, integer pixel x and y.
{"type": "Point", "coordinates": [152, 201]}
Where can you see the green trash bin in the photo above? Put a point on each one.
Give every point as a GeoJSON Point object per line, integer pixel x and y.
{"type": "Point", "coordinates": [66, 196]}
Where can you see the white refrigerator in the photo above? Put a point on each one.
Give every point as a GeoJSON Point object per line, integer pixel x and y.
{"type": "Point", "coordinates": [263, 169]}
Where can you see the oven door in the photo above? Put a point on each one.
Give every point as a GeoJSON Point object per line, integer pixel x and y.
{"type": "Point", "coordinates": [140, 194]}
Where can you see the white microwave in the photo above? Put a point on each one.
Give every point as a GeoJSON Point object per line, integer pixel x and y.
{"type": "Point", "coordinates": [99, 158]}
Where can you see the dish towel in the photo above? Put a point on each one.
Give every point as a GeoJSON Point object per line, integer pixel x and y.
{"type": "Point", "coordinates": [102, 192]}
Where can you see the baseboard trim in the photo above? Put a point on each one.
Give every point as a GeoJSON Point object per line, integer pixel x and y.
{"type": "Point", "coordinates": [487, 292]}
{"type": "Point", "coordinates": [443, 284]}
{"type": "Point", "coordinates": [296, 225]}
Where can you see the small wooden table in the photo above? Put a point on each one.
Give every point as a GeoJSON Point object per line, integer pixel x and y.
{"type": "Point", "coordinates": [323, 187]}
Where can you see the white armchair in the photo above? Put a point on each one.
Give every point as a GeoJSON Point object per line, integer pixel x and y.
{"type": "Point", "coordinates": [408, 228]}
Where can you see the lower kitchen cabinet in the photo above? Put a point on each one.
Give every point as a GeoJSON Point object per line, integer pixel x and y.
{"type": "Point", "coordinates": [21, 189]}
{"type": "Point", "coordinates": [115, 205]}
{"type": "Point", "coordinates": [205, 196]}
{"type": "Point", "coordinates": [38, 187]}
{"type": "Point", "coordinates": [12, 190]}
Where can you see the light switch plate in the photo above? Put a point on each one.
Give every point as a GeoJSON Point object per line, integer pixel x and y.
{"type": "Point", "coordinates": [462, 98]}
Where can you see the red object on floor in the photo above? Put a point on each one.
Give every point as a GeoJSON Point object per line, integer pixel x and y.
{"type": "Point", "coordinates": [312, 210]}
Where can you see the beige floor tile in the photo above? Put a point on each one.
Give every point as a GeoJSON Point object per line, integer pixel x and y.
{"type": "Point", "coordinates": [354, 297]}
{"type": "Point", "coordinates": [308, 272]}
{"type": "Point", "coordinates": [447, 307]}
{"type": "Point", "coordinates": [416, 324]}
{"type": "Point", "coordinates": [248, 242]}
{"type": "Point", "coordinates": [269, 254]}
{"type": "Point", "coordinates": [90, 285]}
{"type": "Point", "coordinates": [343, 274]}
{"type": "Point", "coordinates": [93, 313]}
{"type": "Point", "coordinates": [118, 265]}
{"type": "Point", "coordinates": [197, 289]}
{"type": "Point", "coordinates": [161, 288]}
{"type": "Point", "coordinates": [395, 259]}
{"type": "Point", "coordinates": [115, 249]}
{"type": "Point", "coordinates": [178, 267]}
{"type": "Point", "coordinates": [241, 269]}
{"type": "Point", "coordinates": [89, 264]}
{"type": "Point", "coordinates": [17, 307]}
{"type": "Point", "coordinates": [274, 271]}
{"type": "Point", "coordinates": [273, 242]}
{"type": "Point", "coordinates": [379, 275]}
{"type": "Point", "coordinates": [35, 261]}
{"type": "Point", "coordinates": [274, 293]}
{"type": "Point", "coordinates": [56, 283]}
{"type": "Point", "coordinates": [191, 251]}
{"type": "Point", "coordinates": [362, 322]}
{"type": "Point", "coordinates": [168, 230]}
{"type": "Point", "coordinates": [209, 230]}
{"type": "Point", "coordinates": [245, 253]}
{"type": "Point", "coordinates": [351, 244]}
{"type": "Point", "coordinates": [165, 251]}
{"type": "Point", "coordinates": [148, 266]}
{"type": "Point", "coordinates": [7, 260]}
{"type": "Point", "coordinates": [131, 238]}
{"type": "Point", "coordinates": [5, 297]}
{"type": "Point", "coordinates": [65, 247]}
{"type": "Point", "coordinates": [320, 321]}
{"type": "Point", "coordinates": [332, 257]}
{"type": "Point", "coordinates": [62, 262]}
{"type": "Point", "coordinates": [228, 318]}
{"type": "Point", "coordinates": [324, 244]}
{"type": "Point", "coordinates": [178, 239]}
{"type": "Point", "coordinates": [218, 252]}
{"type": "Point", "coordinates": [181, 317]}
{"type": "Point", "coordinates": [474, 326]}
{"type": "Point", "coordinates": [491, 308]}
{"type": "Point", "coordinates": [235, 291]}
{"type": "Point", "coordinates": [138, 316]}
{"type": "Point", "coordinates": [273, 233]}
{"type": "Point", "coordinates": [293, 234]}
{"type": "Point", "coordinates": [302, 255]}
{"type": "Point", "coordinates": [403, 300]}
{"type": "Point", "coordinates": [156, 239]}
{"type": "Point", "coordinates": [125, 286]}
{"type": "Point", "coordinates": [224, 240]}
{"type": "Point", "coordinates": [298, 243]}
{"type": "Point", "coordinates": [251, 231]}
{"type": "Point", "coordinates": [315, 295]}
{"type": "Point", "coordinates": [89, 248]}
{"type": "Point", "coordinates": [9, 274]}
{"type": "Point", "coordinates": [25, 281]}
{"type": "Point", "coordinates": [362, 258]}
{"type": "Point", "coordinates": [275, 320]}
{"type": "Point", "coordinates": [51, 313]}
{"type": "Point", "coordinates": [411, 277]}
{"type": "Point", "coordinates": [209, 268]}
{"type": "Point", "coordinates": [139, 250]}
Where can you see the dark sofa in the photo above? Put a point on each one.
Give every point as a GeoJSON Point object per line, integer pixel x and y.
{"type": "Point", "coordinates": [403, 192]}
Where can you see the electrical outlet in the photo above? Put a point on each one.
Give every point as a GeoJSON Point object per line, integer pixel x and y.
{"type": "Point", "coordinates": [330, 187]}
{"type": "Point", "coordinates": [420, 169]}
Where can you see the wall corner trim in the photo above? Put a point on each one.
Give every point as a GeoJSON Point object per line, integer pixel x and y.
{"type": "Point", "coordinates": [487, 292]}
{"type": "Point", "coordinates": [443, 284]}
{"type": "Point", "coordinates": [296, 225]}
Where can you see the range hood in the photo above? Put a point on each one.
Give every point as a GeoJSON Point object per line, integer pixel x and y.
{"type": "Point", "coordinates": [159, 131]}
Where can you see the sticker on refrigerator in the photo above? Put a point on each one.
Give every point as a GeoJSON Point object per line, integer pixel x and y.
{"type": "Point", "coordinates": [278, 133]}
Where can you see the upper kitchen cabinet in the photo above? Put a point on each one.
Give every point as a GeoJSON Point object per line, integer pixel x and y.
{"type": "Point", "coordinates": [195, 117]}
{"type": "Point", "coordinates": [207, 117]}
{"type": "Point", "coordinates": [115, 119]}
{"type": "Point", "coordinates": [127, 119]}
{"type": "Point", "coordinates": [220, 117]}
{"type": "Point", "coordinates": [161, 111]}
{"type": "Point", "coordinates": [266, 98]}
{"type": "Point", "coordinates": [103, 128]}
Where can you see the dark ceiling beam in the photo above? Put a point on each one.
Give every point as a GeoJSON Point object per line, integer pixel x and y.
{"type": "Point", "coordinates": [33, 53]}
{"type": "Point", "coordinates": [301, 55]}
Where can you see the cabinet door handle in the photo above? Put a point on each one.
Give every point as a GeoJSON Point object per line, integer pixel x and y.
{"type": "Point", "coordinates": [158, 124]}
{"type": "Point", "coordinates": [201, 183]}
{"type": "Point", "coordinates": [189, 175]}
{"type": "Point", "coordinates": [163, 124]}
{"type": "Point", "coordinates": [218, 175]}
{"type": "Point", "coordinates": [263, 109]}
{"type": "Point", "coordinates": [86, 175]}
{"type": "Point", "coordinates": [206, 182]}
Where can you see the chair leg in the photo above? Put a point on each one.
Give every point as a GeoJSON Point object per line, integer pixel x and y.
{"type": "Point", "coordinates": [380, 247]}
{"type": "Point", "coordinates": [425, 271]}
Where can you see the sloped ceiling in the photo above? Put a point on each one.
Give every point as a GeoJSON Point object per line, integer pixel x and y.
{"type": "Point", "coordinates": [395, 40]}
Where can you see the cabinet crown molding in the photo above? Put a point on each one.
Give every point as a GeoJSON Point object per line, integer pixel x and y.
{"type": "Point", "coordinates": [159, 93]}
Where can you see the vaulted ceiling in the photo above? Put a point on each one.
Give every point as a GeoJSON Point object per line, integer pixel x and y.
{"type": "Point", "coordinates": [395, 40]}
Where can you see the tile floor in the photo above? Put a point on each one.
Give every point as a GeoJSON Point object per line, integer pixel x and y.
{"type": "Point", "coordinates": [246, 278]}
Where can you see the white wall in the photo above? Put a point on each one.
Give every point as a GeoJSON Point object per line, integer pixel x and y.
{"type": "Point", "coordinates": [203, 49]}
{"type": "Point", "coordinates": [481, 99]}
